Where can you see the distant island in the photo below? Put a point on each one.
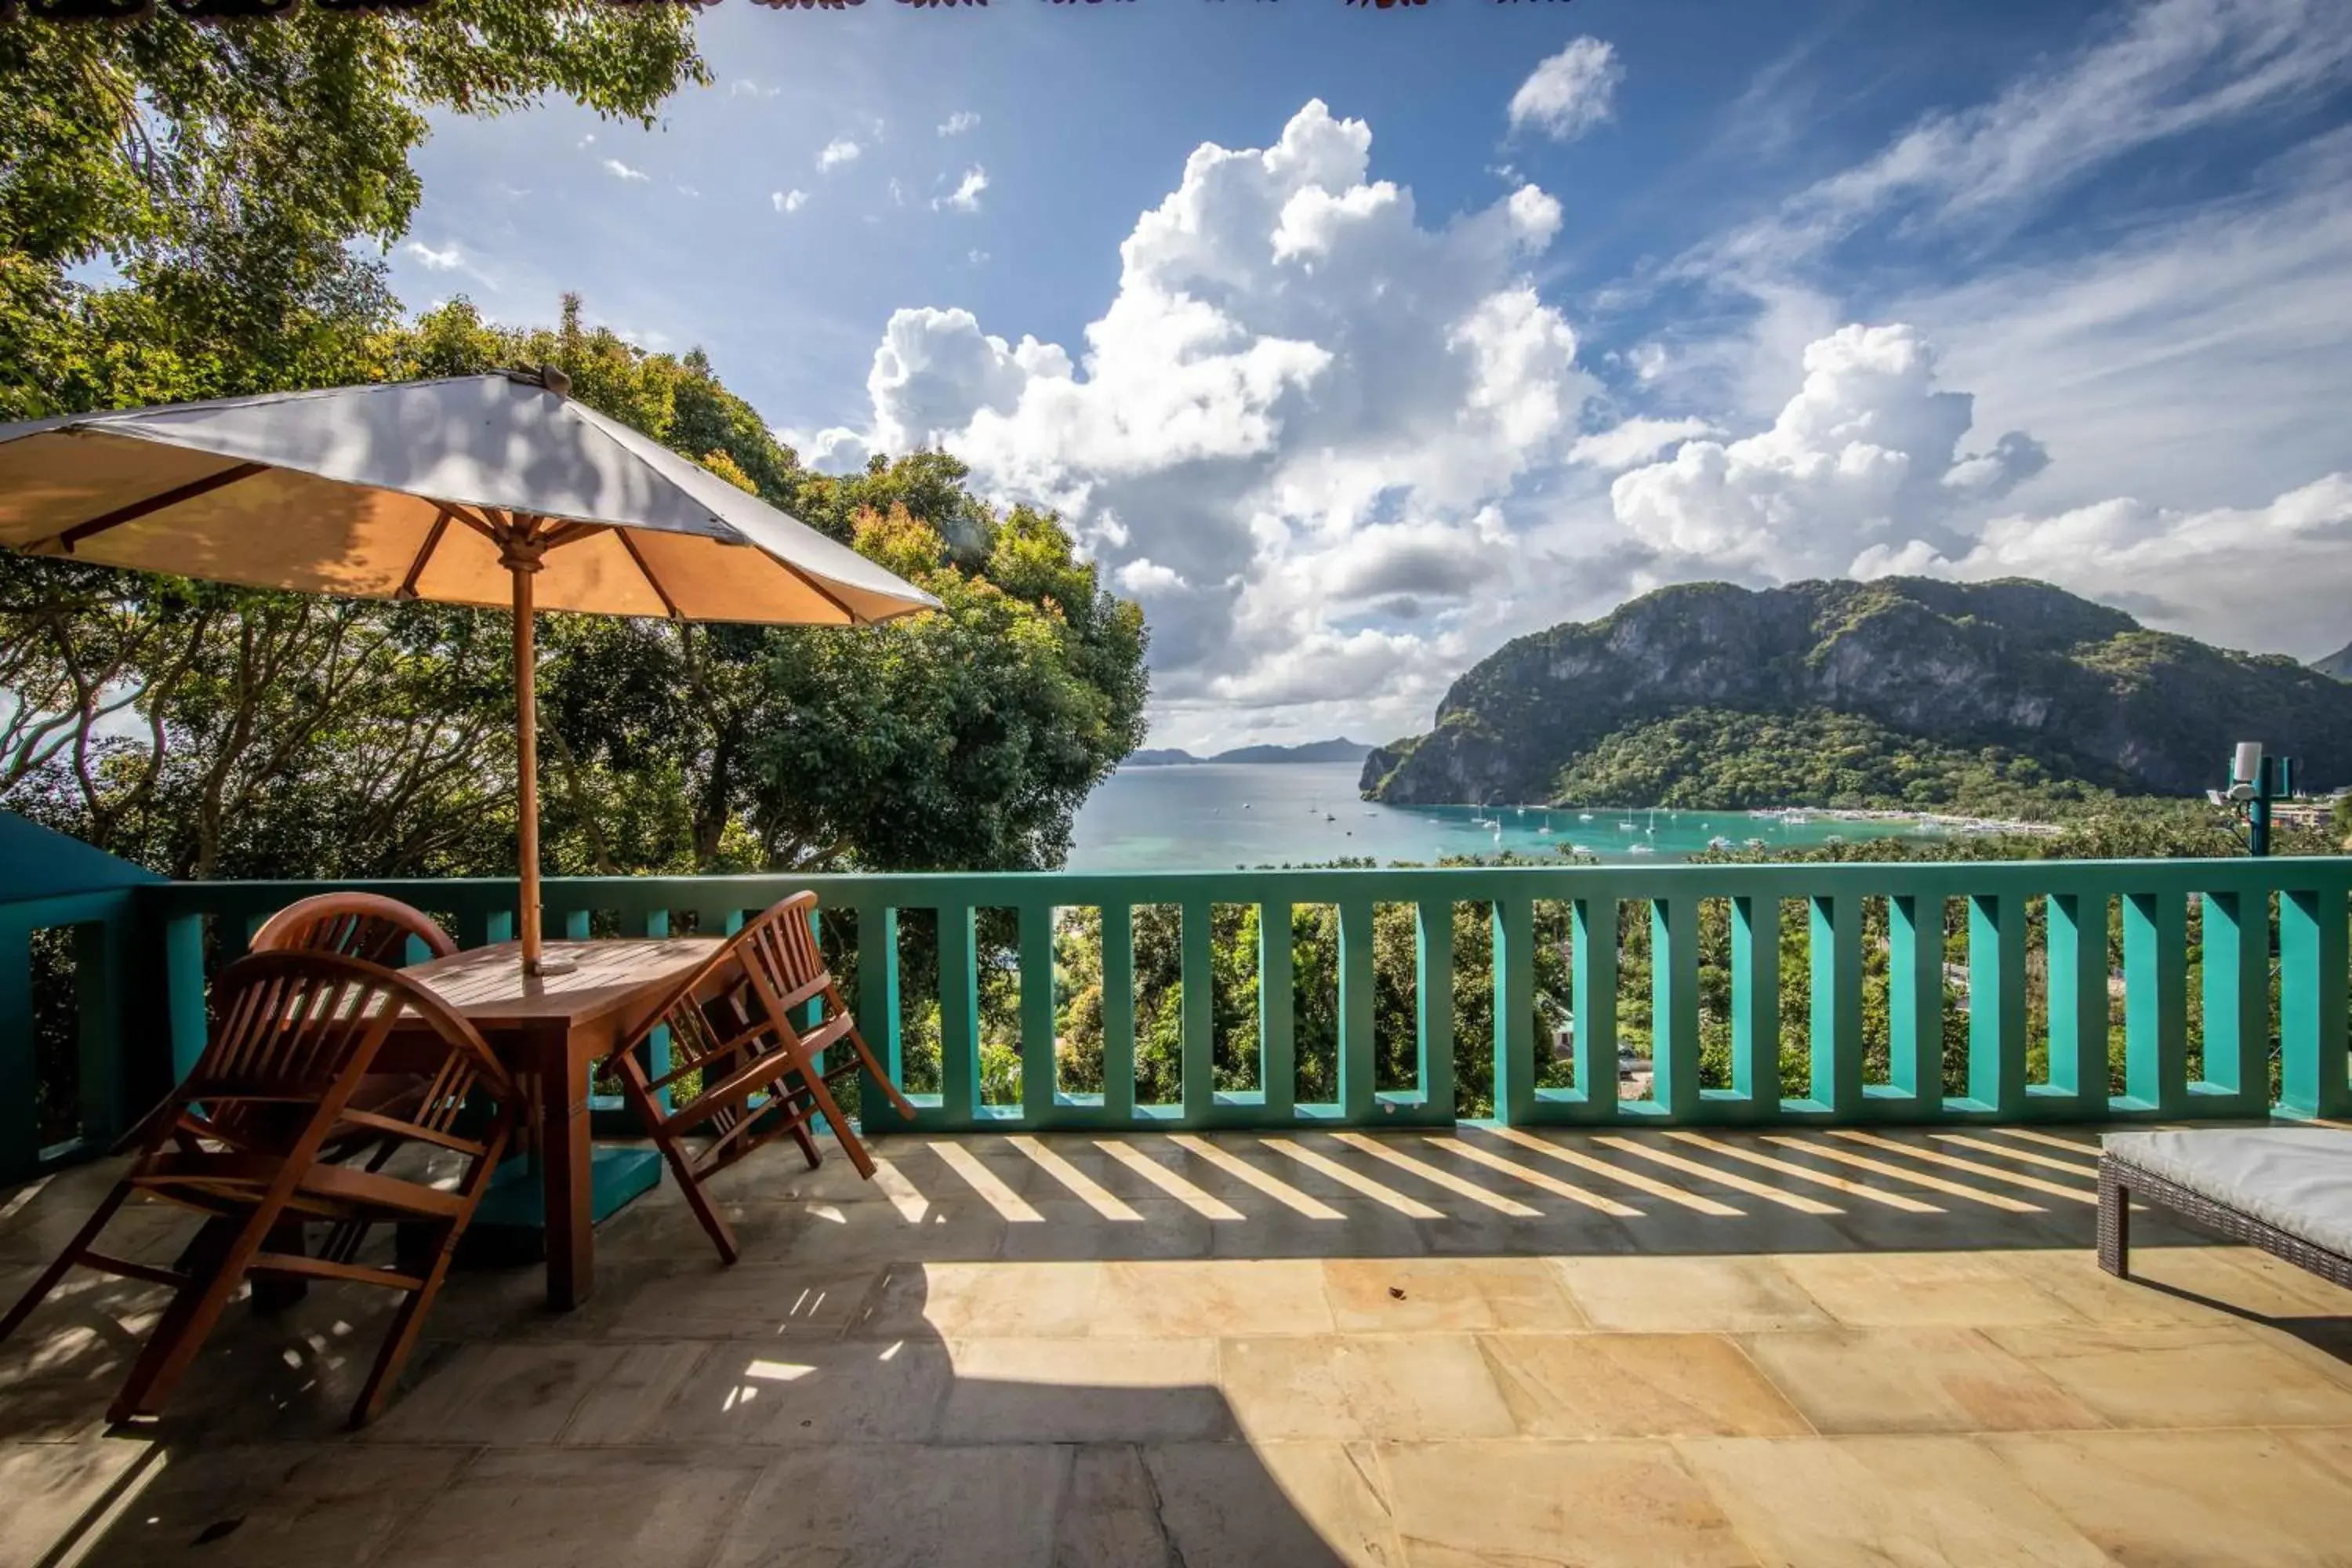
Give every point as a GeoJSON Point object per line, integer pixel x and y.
{"type": "Point", "coordinates": [2011, 697]}
{"type": "Point", "coordinates": [1339, 751]}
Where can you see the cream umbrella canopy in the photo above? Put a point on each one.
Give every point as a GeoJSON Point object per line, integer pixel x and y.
{"type": "Point", "coordinates": [482, 489]}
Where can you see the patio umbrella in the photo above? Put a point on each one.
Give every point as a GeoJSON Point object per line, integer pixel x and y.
{"type": "Point", "coordinates": [480, 489]}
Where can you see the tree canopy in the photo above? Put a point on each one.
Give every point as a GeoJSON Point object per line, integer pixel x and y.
{"type": "Point", "coordinates": [233, 180]}
{"type": "Point", "coordinates": [188, 211]}
{"type": "Point", "coordinates": [210, 731]}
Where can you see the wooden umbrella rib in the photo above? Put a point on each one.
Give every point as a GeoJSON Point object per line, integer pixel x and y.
{"type": "Point", "coordinates": [565, 533]}
{"type": "Point", "coordinates": [155, 504]}
{"type": "Point", "coordinates": [417, 567]}
{"type": "Point", "coordinates": [477, 523]}
{"type": "Point", "coordinates": [630, 544]}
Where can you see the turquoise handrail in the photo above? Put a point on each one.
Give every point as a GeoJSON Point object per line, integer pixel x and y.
{"type": "Point", "coordinates": [135, 1037]}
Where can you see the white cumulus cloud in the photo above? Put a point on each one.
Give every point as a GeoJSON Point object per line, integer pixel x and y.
{"type": "Point", "coordinates": [1865, 473]}
{"type": "Point", "coordinates": [1298, 426]}
{"type": "Point", "coordinates": [621, 171]}
{"type": "Point", "coordinates": [2276, 569]}
{"type": "Point", "coordinates": [440, 260]}
{"type": "Point", "coordinates": [1143, 576]}
{"type": "Point", "coordinates": [965, 198]}
{"type": "Point", "coordinates": [1866, 455]}
{"type": "Point", "coordinates": [788, 201]}
{"type": "Point", "coordinates": [956, 124]}
{"type": "Point", "coordinates": [839, 151]}
{"type": "Point", "coordinates": [1571, 92]}
{"type": "Point", "coordinates": [1634, 441]}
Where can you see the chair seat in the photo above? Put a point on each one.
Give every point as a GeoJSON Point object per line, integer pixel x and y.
{"type": "Point", "coordinates": [2294, 1179]}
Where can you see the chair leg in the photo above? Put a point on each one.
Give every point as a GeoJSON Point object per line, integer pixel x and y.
{"type": "Point", "coordinates": [634, 1085]}
{"type": "Point", "coordinates": [722, 1235]}
{"type": "Point", "coordinates": [400, 1339]}
{"type": "Point", "coordinates": [189, 1320]}
{"type": "Point", "coordinates": [812, 1076]}
{"type": "Point", "coordinates": [799, 1121]}
{"type": "Point", "coordinates": [63, 1263]}
{"type": "Point", "coordinates": [2114, 1223]}
{"type": "Point", "coordinates": [898, 1102]}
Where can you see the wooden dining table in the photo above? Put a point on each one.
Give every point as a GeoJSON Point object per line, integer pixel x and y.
{"type": "Point", "coordinates": [550, 1031]}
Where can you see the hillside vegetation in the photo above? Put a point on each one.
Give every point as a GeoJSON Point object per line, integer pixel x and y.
{"type": "Point", "coordinates": [2010, 696]}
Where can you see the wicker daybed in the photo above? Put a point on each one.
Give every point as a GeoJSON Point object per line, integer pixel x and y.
{"type": "Point", "coordinates": [2287, 1190]}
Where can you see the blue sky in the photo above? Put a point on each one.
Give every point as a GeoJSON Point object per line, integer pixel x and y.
{"type": "Point", "coordinates": [1488, 317]}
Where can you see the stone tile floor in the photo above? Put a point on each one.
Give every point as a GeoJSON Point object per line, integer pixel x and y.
{"type": "Point", "coordinates": [1483, 1347]}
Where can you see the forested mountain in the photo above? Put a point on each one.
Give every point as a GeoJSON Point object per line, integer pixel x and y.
{"type": "Point", "coordinates": [1901, 692]}
{"type": "Point", "coordinates": [2338, 664]}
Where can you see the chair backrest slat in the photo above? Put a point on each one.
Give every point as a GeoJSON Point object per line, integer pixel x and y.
{"type": "Point", "coordinates": [356, 925]}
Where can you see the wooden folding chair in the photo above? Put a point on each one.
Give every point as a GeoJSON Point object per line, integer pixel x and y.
{"type": "Point", "coordinates": [741, 1071]}
{"type": "Point", "coordinates": [356, 925]}
{"type": "Point", "coordinates": [240, 1143]}
{"type": "Point", "coordinates": [371, 927]}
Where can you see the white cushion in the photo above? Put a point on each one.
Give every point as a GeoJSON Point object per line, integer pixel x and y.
{"type": "Point", "coordinates": [2297, 1179]}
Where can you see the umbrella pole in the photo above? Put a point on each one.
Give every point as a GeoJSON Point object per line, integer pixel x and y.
{"type": "Point", "coordinates": [527, 763]}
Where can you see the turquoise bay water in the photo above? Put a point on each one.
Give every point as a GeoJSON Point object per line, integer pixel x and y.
{"type": "Point", "coordinates": [1215, 815]}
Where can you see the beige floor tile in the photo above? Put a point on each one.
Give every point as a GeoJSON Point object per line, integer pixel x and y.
{"type": "Point", "coordinates": [1085, 1391]}
{"type": "Point", "coordinates": [1901, 1289]}
{"type": "Point", "coordinates": [1074, 1230]}
{"type": "Point", "coordinates": [846, 1392]}
{"type": "Point", "coordinates": [2220, 1375]}
{"type": "Point", "coordinates": [1425, 1386]}
{"type": "Point", "coordinates": [896, 1505]}
{"type": "Point", "coordinates": [1634, 1385]}
{"type": "Point", "coordinates": [277, 1506]}
{"type": "Point", "coordinates": [1413, 1295]}
{"type": "Point", "coordinates": [747, 1302]}
{"type": "Point", "coordinates": [2242, 1279]}
{"type": "Point", "coordinates": [1360, 1229]}
{"type": "Point", "coordinates": [2073, 1275]}
{"type": "Point", "coordinates": [2188, 1500]}
{"type": "Point", "coordinates": [580, 1507]}
{"type": "Point", "coordinates": [632, 1392]}
{"type": "Point", "coordinates": [55, 1409]}
{"type": "Point", "coordinates": [1188, 1300]}
{"type": "Point", "coordinates": [1554, 1503]}
{"type": "Point", "coordinates": [1883, 1502]}
{"type": "Point", "coordinates": [1912, 1380]}
{"type": "Point", "coordinates": [2331, 1445]}
{"type": "Point", "coordinates": [55, 1491]}
{"type": "Point", "coordinates": [1256, 1505]}
{"type": "Point", "coordinates": [530, 1392]}
{"type": "Point", "coordinates": [1111, 1513]}
{"type": "Point", "coordinates": [1689, 1295]}
{"type": "Point", "coordinates": [982, 1300]}
{"type": "Point", "coordinates": [964, 1230]}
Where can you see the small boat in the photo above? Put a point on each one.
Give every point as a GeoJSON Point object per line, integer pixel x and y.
{"type": "Point", "coordinates": [1644, 849]}
{"type": "Point", "coordinates": [1583, 816]}
{"type": "Point", "coordinates": [1754, 843]}
{"type": "Point", "coordinates": [1543, 833]}
{"type": "Point", "coordinates": [1625, 827]}
{"type": "Point", "coordinates": [1329, 818]}
{"type": "Point", "coordinates": [1246, 806]}
{"type": "Point", "coordinates": [1718, 842]}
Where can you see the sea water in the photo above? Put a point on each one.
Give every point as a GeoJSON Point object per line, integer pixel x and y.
{"type": "Point", "coordinates": [1215, 815]}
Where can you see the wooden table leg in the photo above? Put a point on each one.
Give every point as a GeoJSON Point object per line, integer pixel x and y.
{"type": "Point", "coordinates": [565, 1176]}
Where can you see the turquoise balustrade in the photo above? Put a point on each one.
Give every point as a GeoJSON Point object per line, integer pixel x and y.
{"type": "Point", "coordinates": [145, 948]}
